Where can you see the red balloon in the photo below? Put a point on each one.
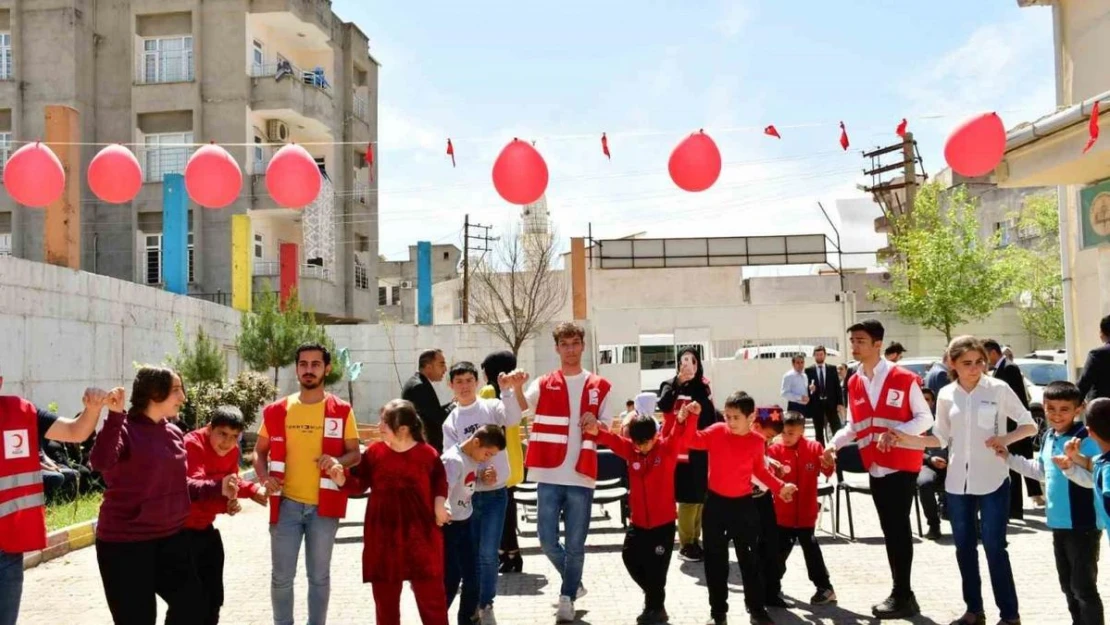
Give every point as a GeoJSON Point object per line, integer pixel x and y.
{"type": "Point", "coordinates": [293, 177]}
{"type": "Point", "coordinates": [695, 163]}
{"type": "Point", "coordinates": [212, 177]}
{"type": "Point", "coordinates": [977, 146]}
{"type": "Point", "coordinates": [34, 176]}
{"type": "Point", "coordinates": [520, 173]}
{"type": "Point", "coordinates": [115, 176]}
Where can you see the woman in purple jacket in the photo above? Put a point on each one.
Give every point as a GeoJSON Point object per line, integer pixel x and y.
{"type": "Point", "coordinates": [140, 548]}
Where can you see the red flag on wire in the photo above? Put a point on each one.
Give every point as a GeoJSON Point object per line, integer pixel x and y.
{"type": "Point", "coordinates": [451, 151]}
{"type": "Point", "coordinates": [901, 130]}
{"type": "Point", "coordinates": [843, 136]}
{"type": "Point", "coordinates": [370, 159]}
{"type": "Point", "coordinates": [1092, 128]}
{"type": "Point", "coordinates": [605, 146]}
{"type": "Point", "coordinates": [771, 131]}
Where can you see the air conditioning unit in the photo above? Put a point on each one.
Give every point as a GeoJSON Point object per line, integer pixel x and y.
{"type": "Point", "coordinates": [277, 131]}
{"type": "Point", "coordinates": [406, 284]}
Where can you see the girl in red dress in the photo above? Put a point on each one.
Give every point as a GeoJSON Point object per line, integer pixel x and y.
{"type": "Point", "coordinates": [401, 536]}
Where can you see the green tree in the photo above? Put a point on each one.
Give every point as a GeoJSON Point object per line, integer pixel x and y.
{"type": "Point", "coordinates": [203, 361]}
{"type": "Point", "coordinates": [1041, 298]}
{"type": "Point", "coordinates": [942, 273]}
{"type": "Point", "coordinates": [269, 336]}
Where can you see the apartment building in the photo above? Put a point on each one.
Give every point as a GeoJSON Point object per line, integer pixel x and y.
{"type": "Point", "coordinates": [397, 280]}
{"type": "Point", "coordinates": [248, 74]}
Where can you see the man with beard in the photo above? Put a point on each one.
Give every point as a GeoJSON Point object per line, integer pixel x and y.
{"type": "Point", "coordinates": [303, 438]}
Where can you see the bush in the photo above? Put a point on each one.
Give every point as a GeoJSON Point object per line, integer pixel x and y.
{"type": "Point", "coordinates": [201, 362]}
{"type": "Point", "coordinates": [248, 393]}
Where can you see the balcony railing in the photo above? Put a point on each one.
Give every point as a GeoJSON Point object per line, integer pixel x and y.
{"type": "Point", "coordinates": [362, 108]}
{"type": "Point", "coordinates": [165, 67]}
{"type": "Point", "coordinates": [282, 70]}
{"type": "Point", "coordinates": [268, 269]}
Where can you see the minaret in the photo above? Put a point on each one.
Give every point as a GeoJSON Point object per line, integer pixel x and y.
{"type": "Point", "coordinates": [535, 231]}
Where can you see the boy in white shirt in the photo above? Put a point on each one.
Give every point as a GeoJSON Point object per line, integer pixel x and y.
{"type": "Point", "coordinates": [461, 463]}
{"type": "Point", "coordinates": [488, 504]}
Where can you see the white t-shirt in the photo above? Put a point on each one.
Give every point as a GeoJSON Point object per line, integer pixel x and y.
{"type": "Point", "coordinates": [462, 474]}
{"type": "Point", "coordinates": [465, 420]}
{"type": "Point", "coordinates": [564, 474]}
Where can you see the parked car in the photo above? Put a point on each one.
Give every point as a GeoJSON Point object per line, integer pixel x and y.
{"type": "Point", "coordinates": [779, 351]}
{"type": "Point", "coordinates": [1038, 373]}
{"type": "Point", "coordinates": [919, 366]}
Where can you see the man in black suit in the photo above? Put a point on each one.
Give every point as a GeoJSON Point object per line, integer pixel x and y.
{"type": "Point", "coordinates": [1095, 380]}
{"type": "Point", "coordinates": [1011, 374]}
{"type": "Point", "coordinates": [824, 395]}
{"type": "Point", "coordinates": [419, 390]}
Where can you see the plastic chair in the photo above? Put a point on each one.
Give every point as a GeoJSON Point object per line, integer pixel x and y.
{"type": "Point", "coordinates": [848, 461]}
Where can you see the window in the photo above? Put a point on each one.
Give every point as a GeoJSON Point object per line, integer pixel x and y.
{"type": "Point", "coordinates": [362, 276]}
{"type": "Point", "coordinates": [169, 159]}
{"type": "Point", "coordinates": [1004, 230]}
{"type": "Point", "coordinates": [258, 246]}
{"type": "Point", "coordinates": [6, 244]}
{"type": "Point", "coordinates": [5, 56]}
{"type": "Point", "coordinates": [258, 57]}
{"type": "Point", "coordinates": [382, 301]}
{"type": "Point", "coordinates": [168, 59]}
{"type": "Point", "coordinates": [447, 256]}
{"type": "Point", "coordinates": [630, 353]}
{"type": "Point", "coordinates": [192, 273]}
{"type": "Point", "coordinates": [396, 295]}
{"type": "Point", "coordinates": [259, 152]}
{"type": "Point", "coordinates": [5, 147]}
{"type": "Point", "coordinates": [153, 257]}
{"type": "Point", "coordinates": [657, 357]}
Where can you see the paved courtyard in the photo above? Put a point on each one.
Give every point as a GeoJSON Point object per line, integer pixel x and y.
{"type": "Point", "coordinates": [68, 590]}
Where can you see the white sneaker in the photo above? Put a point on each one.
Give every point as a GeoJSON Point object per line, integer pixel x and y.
{"type": "Point", "coordinates": [486, 617]}
{"type": "Point", "coordinates": [565, 612]}
{"type": "Point", "coordinates": [581, 591]}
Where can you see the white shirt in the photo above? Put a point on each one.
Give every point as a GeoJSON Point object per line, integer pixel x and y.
{"type": "Point", "coordinates": [462, 475]}
{"type": "Point", "coordinates": [795, 386]}
{"type": "Point", "coordinates": [964, 422]}
{"type": "Point", "coordinates": [465, 420]}
{"type": "Point", "coordinates": [564, 474]}
{"type": "Point", "coordinates": [922, 417]}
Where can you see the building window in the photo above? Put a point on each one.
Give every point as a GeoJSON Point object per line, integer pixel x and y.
{"type": "Point", "coordinates": [362, 276]}
{"type": "Point", "coordinates": [258, 246]}
{"type": "Point", "coordinates": [5, 56]}
{"type": "Point", "coordinates": [6, 244]}
{"type": "Point", "coordinates": [192, 273]}
{"type": "Point", "coordinates": [259, 151]}
{"type": "Point", "coordinates": [168, 59]}
{"type": "Point", "coordinates": [382, 301]}
{"type": "Point", "coordinates": [1004, 230]}
{"type": "Point", "coordinates": [5, 147]}
{"type": "Point", "coordinates": [258, 57]}
{"type": "Point", "coordinates": [166, 153]}
{"type": "Point", "coordinates": [396, 293]}
{"type": "Point", "coordinates": [153, 257]}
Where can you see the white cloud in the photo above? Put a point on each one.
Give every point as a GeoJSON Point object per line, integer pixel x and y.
{"type": "Point", "coordinates": [735, 14]}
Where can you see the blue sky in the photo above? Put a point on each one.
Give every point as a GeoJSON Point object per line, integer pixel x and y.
{"type": "Point", "coordinates": [650, 72]}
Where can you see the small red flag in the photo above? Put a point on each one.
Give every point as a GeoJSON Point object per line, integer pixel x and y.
{"type": "Point", "coordinates": [1092, 128]}
{"type": "Point", "coordinates": [901, 130]}
{"type": "Point", "coordinates": [451, 151]}
{"type": "Point", "coordinates": [370, 159]}
{"type": "Point", "coordinates": [843, 136]}
{"type": "Point", "coordinates": [771, 131]}
{"type": "Point", "coordinates": [605, 146]}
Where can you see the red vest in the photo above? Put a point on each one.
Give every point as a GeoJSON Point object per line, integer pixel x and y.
{"type": "Point", "coordinates": [870, 422]}
{"type": "Point", "coordinates": [333, 500]}
{"type": "Point", "coordinates": [22, 506]}
{"type": "Point", "coordinates": [547, 443]}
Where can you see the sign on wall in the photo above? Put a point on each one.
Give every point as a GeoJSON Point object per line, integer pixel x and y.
{"type": "Point", "coordinates": [1094, 214]}
{"type": "Point", "coordinates": [801, 249]}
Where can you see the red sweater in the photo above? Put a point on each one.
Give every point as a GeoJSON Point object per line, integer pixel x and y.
{"type": "Point", "coordinates": [733, 460]}
{"type": "Point", "coordinates": [650, 475]}
{"type": "Point", "coordinates": [206, 470]}
{"type": "Point", "coordinates": [804, 460]}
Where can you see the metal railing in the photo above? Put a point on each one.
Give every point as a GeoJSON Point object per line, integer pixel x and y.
{"type": "Point", "coordinates": [266, 269]}
{"type": "Point", "coordinates": [165, 66]}
{"type": "Point", "coordinates": [281, 70]}
{"type": "Point", "coordinates": [160, 161]}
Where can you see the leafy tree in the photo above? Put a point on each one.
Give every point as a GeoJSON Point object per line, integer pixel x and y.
{"type": "Point", "coordinates": [203, 361]}
{"type": "Point", "coordinates": [1041, 300]}
{"type": "Point", "coordinates": [943, 274]}
{"type": "Point", "coordinates": [269, 336]}
{"type": "Point", "coordinates": [248, 393]}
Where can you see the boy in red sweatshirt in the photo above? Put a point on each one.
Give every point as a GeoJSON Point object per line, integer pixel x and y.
{"type": "Point", "coordinates": [736, 455]}
{"type": "Point", "coordinates": [651, 462]}
{"type": "Point", "coordinates": [212, 459]}
{"type": "Point", "coordinates": [802, 460]}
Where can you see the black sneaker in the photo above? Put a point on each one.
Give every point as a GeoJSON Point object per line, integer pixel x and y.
{"type": "Point", "coordinates": [776, 602]}
{"type": "Point", "coordinates": [717, 619]}
{"type": "Point", "coordinates": [971, 619]}
{"type": "Point", "coordinates": [697, 554]}
{"type": "Point", "coordinates": [824, 596]}
{"type": "Point", "coordinates": [892, 608]}
{"type": "Point", "coordinates": [652, 617]}
{"type": "Point", "coordinates": [933, 533]}
{"type": "Point", "coordinates": [761, 618]}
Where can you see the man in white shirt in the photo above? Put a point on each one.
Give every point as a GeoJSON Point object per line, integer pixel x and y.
{"type": "Point", "coordinates": [487, 514]}
{"type": "Point", "coordinates": [883, 396]}
{"type": "Point", "coordinates": [562, 458]}
{"type": "Point", "coordinates": [795, 385]}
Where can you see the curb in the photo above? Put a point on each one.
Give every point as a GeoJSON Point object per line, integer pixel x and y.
{"type": "Point", "coordinates": [61, 542]}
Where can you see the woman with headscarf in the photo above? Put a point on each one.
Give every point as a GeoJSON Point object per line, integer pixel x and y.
{"type": "Point", "coordinates": [692, 473]}
{"type": "Point", "coordinates": [494, 365]}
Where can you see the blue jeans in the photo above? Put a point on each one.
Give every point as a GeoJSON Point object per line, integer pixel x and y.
{"type": "Point", "coordinates": [11, 586]}
{"type": "Point", "coordinates": [297, 522]}
{"type": "Point", "coordinates": [459, 567]}
{"type": "Point", "coordinates": [995, 511]}
{"type": "Point", "coordinates": [573, 504]}
{"type": "Point", "coordinates": [486, 524]}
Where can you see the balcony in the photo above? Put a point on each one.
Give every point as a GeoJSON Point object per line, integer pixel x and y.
{"type": "Point", "coordinates": [302, 98]}
{"type": "Point", "coordinates": [164, 74]}
{"type": "Point", "coordinates": [316, 288]}
{"type": "Point", "coordinates": [312, 19]}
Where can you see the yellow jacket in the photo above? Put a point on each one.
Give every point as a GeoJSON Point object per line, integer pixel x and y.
{"type": "Point", "coordinates": [512, 443]}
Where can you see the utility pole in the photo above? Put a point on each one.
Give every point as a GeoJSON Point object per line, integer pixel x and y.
{"type": "Point", "coordinates": [484, 240]}
{"type": "Point", "coordinates": [895, 197]}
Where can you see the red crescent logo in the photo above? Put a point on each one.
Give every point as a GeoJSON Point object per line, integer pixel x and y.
{"type": "Point", "coordinates": [19, 437]}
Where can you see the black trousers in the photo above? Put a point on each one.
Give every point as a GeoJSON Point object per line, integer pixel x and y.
{"type": "Point", "coordinates": [647, 556]}
{"type": "Point", "coordinates": [736, 520]}
{"type": "Point", "coordinates": [770, 565]}
{"type": "Point", "coordinates": [133, 573]}
{"type": "Point", "coordinates": [893, 496]}
{"type": "Point", "coordinates": [930, 484]}
{"type": "Point", "coordinates": [460, 568]}
{"type": "Point", "coordinates": [821, 413]}
{"type": "Point", "coordinates": [1077, 566]}
{"type": "Point", "coordinates": [509, 542]}
{"type": "Point", "coordinates": [815, 562]}
{"type": "Point", "coordinates": [207, 549]}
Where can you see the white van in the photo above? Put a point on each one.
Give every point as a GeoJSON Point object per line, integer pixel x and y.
{"type": "Point", "coordinates": [787, 352]}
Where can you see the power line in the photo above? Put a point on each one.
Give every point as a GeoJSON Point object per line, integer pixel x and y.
{"type": "Point", "coordinates": [485, 239]}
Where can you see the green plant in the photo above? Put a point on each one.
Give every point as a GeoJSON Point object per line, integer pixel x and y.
{"type": "Point", "coordinates": [1041, 300]}
{"type": "Point", "coordinates": [203, 361]}
{"type": "Point", "coordinates": [52, 407]}
{"type": "Point", "coordinates": [269, 336]}
{"type": "Point", "coordinates": [248, 393]}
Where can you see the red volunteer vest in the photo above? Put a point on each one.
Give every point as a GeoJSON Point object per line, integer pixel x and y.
{"type": "Point", "coordinates": [333, 500]}
{"type": "Point", "coordinates": [870, 422]}
{"type": "Point", "coordinates": [547, 443]}
{"type": "Point", "coordinates": [22, 505]}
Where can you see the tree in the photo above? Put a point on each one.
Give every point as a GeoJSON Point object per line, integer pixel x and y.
{"type": "Point", "coordinates": [269, 336]}
{"type": "Point", "coordinates": [201, 362]}
{"type": "Point", "coordinates": [1041, 300]}
{"type": "Point", "coordinates": [943, 274]}
{"type": "Point", "coordinates": [518, 290]}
